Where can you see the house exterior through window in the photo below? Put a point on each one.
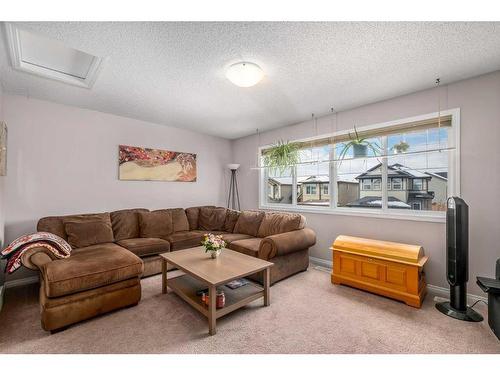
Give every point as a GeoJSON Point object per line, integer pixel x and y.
{"type": "Point", "coordinates": [394, 179]}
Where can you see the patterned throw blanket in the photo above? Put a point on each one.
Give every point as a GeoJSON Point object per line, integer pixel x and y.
{"type": "Point", "coordinates": [54, 244]}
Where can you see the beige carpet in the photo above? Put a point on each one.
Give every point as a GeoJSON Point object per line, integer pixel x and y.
{"type": "Point", "coordinates": [307, 315]}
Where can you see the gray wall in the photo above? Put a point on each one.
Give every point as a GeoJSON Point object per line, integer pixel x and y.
{"type": "Point", "coordinates": [2, 203]}
{"type": "Point", "coordinates": [64, 160]}
{"type": "Point", "coordinates": [479, 102]}
{"type": "Point", "coordinates": [2, 179]}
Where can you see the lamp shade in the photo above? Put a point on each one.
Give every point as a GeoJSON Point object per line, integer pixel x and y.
{"type": "Point", "coordinates": [233, 167]}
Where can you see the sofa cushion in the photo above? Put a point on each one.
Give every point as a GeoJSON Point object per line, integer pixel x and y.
{"type": "Point", "coordinates": [88, 233]}
{"type": "Point", "coordinates": [230, 237]}
{"type": "Point", "coordinates": [52, 224]}
{"type": "Point", "coordinates": [155, 224]}
{"type": "Point", "coordinates": [90, 267]}
{"type": "Point", "coordinates": [193, 214]}
{"type": "Point", "coordinates": [280, 222]}
{"type": "Point", "coordinates": [126, 223]}
{"type": "Point", "coordinates": [145, 246]}
{"type": "Point", "coordinates": [180, 221]}
{"type": "Point", "coordinates": [249, 222]}
{"type": "Point", "coordinates": [186, 239]}
{"type": "Point", "coordinates": [212, 218]}
{"type": "Point", "coordinates": [231, 219]}
{"type": "Point", "coordinates": [55, 224]}
{"type": "Point", "coordinates": [249, 246]}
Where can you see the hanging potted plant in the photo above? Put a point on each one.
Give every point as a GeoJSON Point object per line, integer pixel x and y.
{"type": "Point", "coordinates": [360, 146]}
{"type": "Point", "coordinates": [400, 147]}
{"type": "Point", "coordinates": [281, 155]}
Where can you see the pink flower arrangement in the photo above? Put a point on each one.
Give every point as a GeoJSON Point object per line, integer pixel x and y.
{"type": "Point", "coordinates": [213, 242]}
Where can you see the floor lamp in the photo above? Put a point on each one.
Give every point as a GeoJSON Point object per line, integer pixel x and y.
{"type": "Point", "coordinates": [233, 188]}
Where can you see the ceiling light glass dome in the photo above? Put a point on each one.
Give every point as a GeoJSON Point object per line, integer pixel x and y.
{"type": "Point", "coordinates": [244, 74]}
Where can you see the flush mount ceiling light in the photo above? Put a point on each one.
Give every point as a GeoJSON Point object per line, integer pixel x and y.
{"type": "Point", "coordinates": [244, 74]}
{"type": "Point", "coordinates": [49, 58]}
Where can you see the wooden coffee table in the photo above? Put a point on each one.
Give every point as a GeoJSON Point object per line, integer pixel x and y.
{"type": "Point", "coordinates": [201, 271]}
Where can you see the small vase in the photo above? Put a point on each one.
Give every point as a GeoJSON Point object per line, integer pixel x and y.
{"type": "Point", "coordinates": [215, 253]}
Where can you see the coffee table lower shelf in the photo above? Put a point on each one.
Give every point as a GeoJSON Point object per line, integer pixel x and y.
{"type": "Point", "coordinates": [186, 287]}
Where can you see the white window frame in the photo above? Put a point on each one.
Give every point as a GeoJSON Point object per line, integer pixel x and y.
{"type": "Point", "coordinates": [366, 184]}
{"type": "Point", "coordinates": [384, 212]}
{"type": "Point", "coordinates": [326, 189]}
{"type": "Point", "coordinates": [413, 184]}
{"type": "Point", "coordinates": [400, 183]}
{"type": "Point", "coordinates": [310, 188]}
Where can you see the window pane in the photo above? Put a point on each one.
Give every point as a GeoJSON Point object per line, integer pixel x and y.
{"type": "Point", "coordinates": [279, 187]}
{"type": "Point", "coordinates": [419, 179]}
{"type": "Point", "coordinates": [359, 177]}
{"type": "Point", "coordinates": [313, 179]}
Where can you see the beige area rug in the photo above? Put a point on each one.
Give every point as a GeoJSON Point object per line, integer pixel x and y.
{"type": "Point", "coordinates": [307, 315]}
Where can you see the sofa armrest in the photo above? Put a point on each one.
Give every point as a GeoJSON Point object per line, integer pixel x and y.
{"type": "Point", "coordinates": [37, 257]}
{"type": "Point", "coordinates": [286, 243]}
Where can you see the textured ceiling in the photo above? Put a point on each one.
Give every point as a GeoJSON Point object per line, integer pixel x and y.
{"type": "Point", "coordinates": [172, 73]}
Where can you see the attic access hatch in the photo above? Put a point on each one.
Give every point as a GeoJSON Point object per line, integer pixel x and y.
{"type": "Point", "coordinates": [50, 58]}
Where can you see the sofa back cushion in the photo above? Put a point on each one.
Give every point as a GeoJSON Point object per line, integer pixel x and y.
{"type": "Point", "coordinates": [88, 233]}
{"type": "Point", "coordinates": [180, 221]}
{"type": "Point", "coordinates": [156, 224]}
{"type": "Point", "coordinates": [280, 222]}
{"type": "Point", "coordinates": [52, 224]}
{"type": "Point", "coordinates": [249, 222]}
{"type": "Point", "coordinates": [55, 224]}
{"type": "Point", "coordinates": [125, 223]}
{"type": "Point", "coordinates": [231, 219]}
{"type": "Point", "coordinates": [212, 218]}
{"type": "Point", "coordinates": [193, 214]}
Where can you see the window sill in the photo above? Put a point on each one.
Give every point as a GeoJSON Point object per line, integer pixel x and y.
{"type": "Point", "coordinates": [432, 216]}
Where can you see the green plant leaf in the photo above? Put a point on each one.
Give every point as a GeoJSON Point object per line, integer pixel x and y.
{"type": "Point", "coordinates": [282, 155]}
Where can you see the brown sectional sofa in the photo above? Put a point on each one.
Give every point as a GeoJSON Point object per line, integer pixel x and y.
{"type": "Point", "coordinates": [112, 251]}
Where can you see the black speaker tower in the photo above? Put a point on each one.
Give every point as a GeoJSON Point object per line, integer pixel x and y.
{"type": "Point", "coordinates": [457, 262]}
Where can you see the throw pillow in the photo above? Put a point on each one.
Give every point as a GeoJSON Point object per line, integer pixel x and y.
{"type": "Point", "coordinates": [155, 224]}
{"type": "Point", "coordinates": [179, 219]}
{"type": "Point", "coordinates": [193, 214]}
{"type": "Point", "coordinates": [126, 223]}
{"type": "Point", "coordinates": [88, 233]}
{"type": "Point", "coordinates": [249, 222]}
{"type": "Point", "coordinates": [280, 222]}
{"type": "Point", "coordinates": [212, 218]}
{"type": "Point", "coordinates": [231, 219]}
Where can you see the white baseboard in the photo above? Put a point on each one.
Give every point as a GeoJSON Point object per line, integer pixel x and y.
{"type": "Point", "coordinates": [437, 290]}
{"type": "Point", "coordinates": [20, 282]}
{"type": "Point", "coordinates": [445, 293]}
{"type": "Point", "coordinates": [321, 262]}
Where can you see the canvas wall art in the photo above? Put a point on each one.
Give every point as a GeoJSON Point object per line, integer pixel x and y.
{"type": "Point", "coordinates": [147, 164]}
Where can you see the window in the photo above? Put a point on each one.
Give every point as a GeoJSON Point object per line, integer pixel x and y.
{"type": "Point", "coordinates": [279, 186]}
{"type": "Point", "coordinates": [397, 183]}
{"type": "Point", "coordinates": [313, 172]}
{"type": "Point", "coordinates": [417, 184]}
{"type": "Point", "coordinates": [411, 166]}
{"type": "Point", "coordinates": [358, 176]}
{"type": "Point", "coordinates": [311, 189]}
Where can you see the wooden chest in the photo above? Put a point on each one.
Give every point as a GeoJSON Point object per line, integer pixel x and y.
{"type": "Point", "coordinates": [391, 269]}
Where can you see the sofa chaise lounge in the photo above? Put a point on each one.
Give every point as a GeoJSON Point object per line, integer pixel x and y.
{"type": "Point", "coordinates": [112, 251]}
